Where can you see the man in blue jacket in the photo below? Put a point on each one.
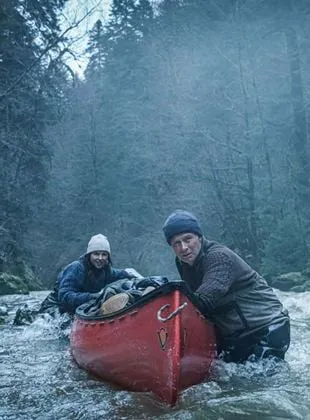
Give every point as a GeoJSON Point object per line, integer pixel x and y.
{"type": "Point", "coordinates": [83, 279]}
{"type": "Point", "coordinates": [248, 316]}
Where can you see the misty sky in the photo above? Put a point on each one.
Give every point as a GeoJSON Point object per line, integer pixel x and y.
{"type": "Point", "coordinates": [74, 11]}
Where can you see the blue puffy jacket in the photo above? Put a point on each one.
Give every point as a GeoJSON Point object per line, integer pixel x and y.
{"type": "Point", "coordinates": [80, 278]}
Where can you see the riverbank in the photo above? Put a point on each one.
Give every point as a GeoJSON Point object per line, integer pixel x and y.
{"type": "Point", "coordinates": [13, 284]}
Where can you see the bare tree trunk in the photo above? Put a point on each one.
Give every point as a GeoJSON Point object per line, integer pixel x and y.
{"type": "Point", "coordinates": [300, 142]}
{"type": "Point", "coordinates": [252, 219]}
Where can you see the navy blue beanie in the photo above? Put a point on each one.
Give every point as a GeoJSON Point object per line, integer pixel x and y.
{"type": "Point", "coordinates": [181, 221]}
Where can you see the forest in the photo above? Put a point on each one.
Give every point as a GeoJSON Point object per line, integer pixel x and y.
{"type": "Point", "coordinates": [194, 104]}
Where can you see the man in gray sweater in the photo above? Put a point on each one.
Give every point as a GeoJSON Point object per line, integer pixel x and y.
{"type": "Point", "coordinates": [249, 318]}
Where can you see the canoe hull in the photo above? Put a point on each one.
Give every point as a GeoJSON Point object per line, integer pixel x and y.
{"type": "Point", "coordinates": [141, 351]}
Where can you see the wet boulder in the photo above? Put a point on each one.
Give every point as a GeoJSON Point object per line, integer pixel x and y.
{"type": "Point", "coordinates": [24, 316]}
{"type": "Point", "coordinates": [11, 284]}
{"type": "Point", "coordinates": [4, 310]}
{"type": "Point", "coordinates": [294, 281]}
{"type": "Point", "coordinates": [302, 288]}
{"type": "Point", "coordinates": [30, 278]}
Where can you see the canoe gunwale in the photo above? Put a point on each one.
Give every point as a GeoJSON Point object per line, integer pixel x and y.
{"type": "Point", "coordinates": [84, 311]}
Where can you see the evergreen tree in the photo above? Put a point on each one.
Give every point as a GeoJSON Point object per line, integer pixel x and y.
{"type": "Point", "coordinates": [26, 29]}
{"type": "Point", "coordinates": [98, 49]}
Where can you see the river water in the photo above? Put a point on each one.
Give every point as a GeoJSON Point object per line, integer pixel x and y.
{"type": "Point", "coordinates": [39, 380]}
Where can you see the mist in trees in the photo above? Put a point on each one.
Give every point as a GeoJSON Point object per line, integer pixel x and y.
{"type": "Point", "coordinates": [183, 104]}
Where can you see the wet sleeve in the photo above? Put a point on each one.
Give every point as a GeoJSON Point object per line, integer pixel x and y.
{"type": "Point", "coordinates": [216, 281]}
{"type": "Point", "coordinates": [70, 295]}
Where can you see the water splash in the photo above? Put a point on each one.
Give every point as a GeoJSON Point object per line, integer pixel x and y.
{"type": "Point", "coordinates": [39, 379]}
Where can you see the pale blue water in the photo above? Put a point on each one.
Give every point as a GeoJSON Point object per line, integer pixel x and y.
{"type": "Point", "coordinates": [39, 380]}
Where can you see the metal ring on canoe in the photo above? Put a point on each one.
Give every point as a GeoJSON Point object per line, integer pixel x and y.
{"type": "Point", "coordinates": [174, 313]}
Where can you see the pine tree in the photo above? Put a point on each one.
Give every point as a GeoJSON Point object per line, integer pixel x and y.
{"type": "Point", "coordinates": [27, 28]}
{"type": "Point", "coordinates": [97, 49]}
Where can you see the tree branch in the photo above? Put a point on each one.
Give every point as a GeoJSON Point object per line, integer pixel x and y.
{"type": "Point", "coordinates": [45, 51]}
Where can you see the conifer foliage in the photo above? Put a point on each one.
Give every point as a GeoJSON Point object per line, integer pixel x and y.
{"type": "Point", "coordinates": [28, 39]}
{"type": "Point", "coordinates": [183, 104]}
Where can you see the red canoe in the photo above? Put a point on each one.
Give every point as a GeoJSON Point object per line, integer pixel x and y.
{"type": "Point", "coordinates": [161, 344]}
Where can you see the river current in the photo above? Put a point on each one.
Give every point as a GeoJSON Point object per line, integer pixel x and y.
{"type": "Point", "coordinates": [39, 379]}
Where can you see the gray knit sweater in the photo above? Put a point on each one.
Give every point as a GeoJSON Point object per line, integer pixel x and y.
{"type": "Point", "coordinates": [235, 297]}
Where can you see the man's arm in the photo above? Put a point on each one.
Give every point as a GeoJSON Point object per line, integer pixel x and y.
{"type": "Point", "coordinates": [216, 281]}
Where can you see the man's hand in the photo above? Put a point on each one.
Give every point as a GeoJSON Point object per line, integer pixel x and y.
{"type": "Point", "coordinates": [199, 302]}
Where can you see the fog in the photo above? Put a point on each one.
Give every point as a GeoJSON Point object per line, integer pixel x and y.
{"type": "Point", "coordinates": [201, 105]}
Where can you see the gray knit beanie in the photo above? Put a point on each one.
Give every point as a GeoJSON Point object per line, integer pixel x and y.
{"type": "Point", "coordinates": [98, 243]}
{"type": "Point", "coordinates": [181, 221]}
